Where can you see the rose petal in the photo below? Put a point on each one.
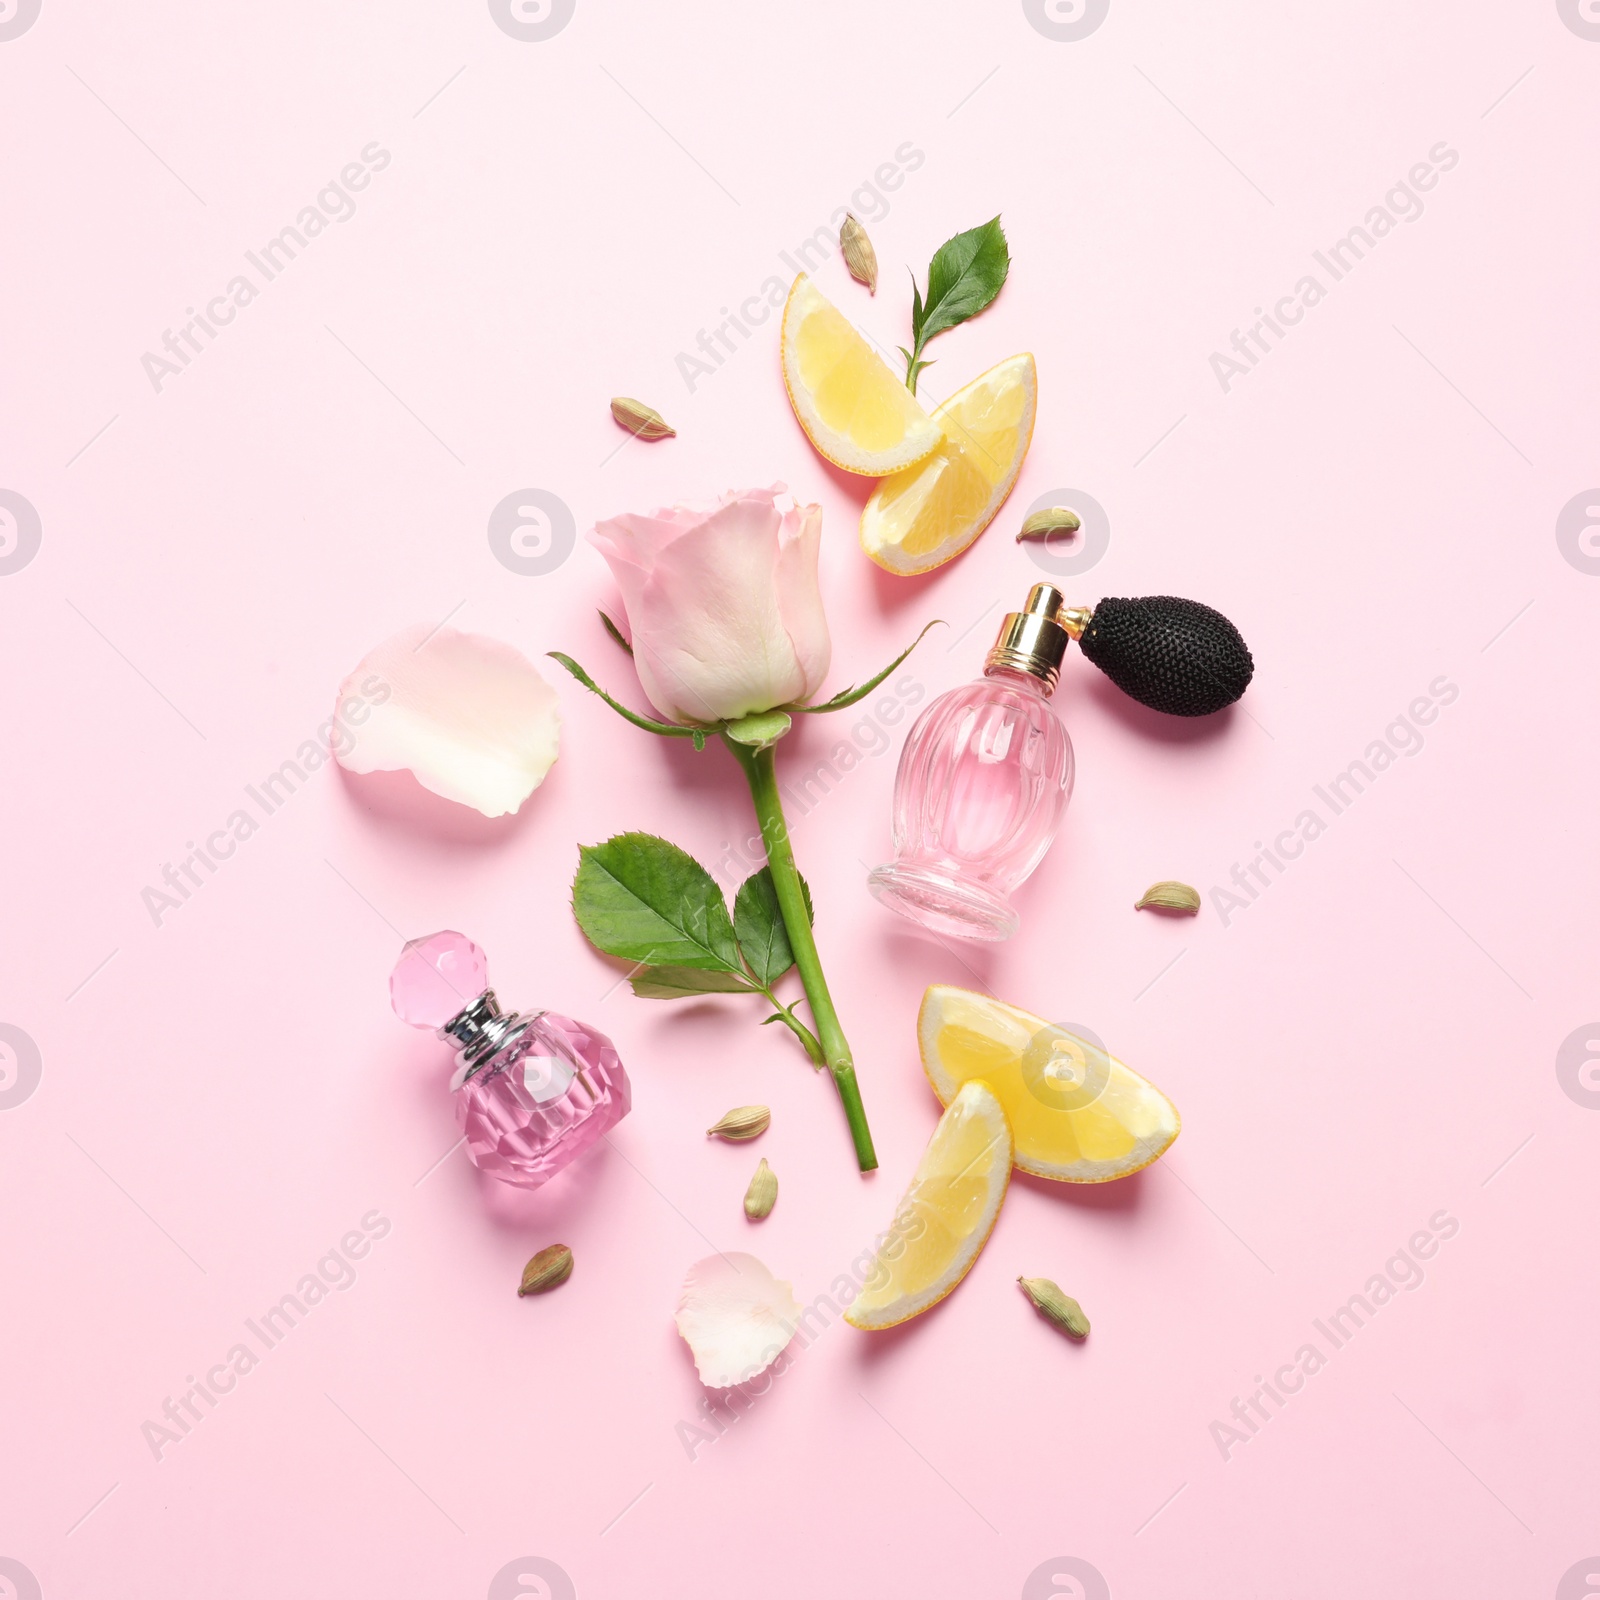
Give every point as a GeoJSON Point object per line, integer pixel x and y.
{"type": "Point", "coordinates": [725, 616]}
{"type": "Point", "coordinates": [469, 716]}
{"type": "Point", "coordinates": [800, 597]}
{"type": "Point", "coordinates": [708, 634]}
{"type": "Point", "coordinates": [736, 1318]}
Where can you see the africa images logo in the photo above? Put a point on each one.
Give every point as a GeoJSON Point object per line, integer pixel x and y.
{"type": "Point", "coordinates": [21, 1066]}
{"type": "Point", "coordinates": [21, 533]}
{"type": "Point", "coordinates": [1071, 554]}
{"type": "Point", "coordinates": [16, 17]}
{"type": "Point", "coordinates": [531, 21]}
{"type": "Point", "coordinates": [1581, 16]}
{"type": "Point", "coordinates": [18, 1581]}
{"type": "Point", "coordinates": [1403, 203]}
{"type": "Point", "coordinates": [532, 532]}
{"type": "Point", "coordinates": [334, 202]}
{"type": "Point", "coordinates": [1578, 1066]}
{"type": "Point", "coordinates": [1578, 532]}
{"type": "Point", "coordinates": [1065, 21]}
{"type": "Point", "coordinates": [531, 1578]}
{"type": "Point", "coordinates": [1066, 1578]}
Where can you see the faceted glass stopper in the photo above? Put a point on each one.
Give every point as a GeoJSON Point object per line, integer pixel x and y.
{"type": "Point", "coordinates": [437, 977]}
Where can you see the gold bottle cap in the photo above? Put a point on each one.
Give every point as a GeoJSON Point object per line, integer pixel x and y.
{"type": "Point", "coordinates": [1035, 639]}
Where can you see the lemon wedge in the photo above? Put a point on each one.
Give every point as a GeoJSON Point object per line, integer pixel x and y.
{"type": "Point", "coordinates": [921, 517]}
{"type": "Point", "coordinates": [852, 407]}
{"type": "Point", "coordinates": [1076, 1113]}
{"type": "Point", "coordinates": [945, 1215]}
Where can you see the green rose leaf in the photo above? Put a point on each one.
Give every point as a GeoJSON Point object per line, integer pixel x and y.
{"type": "Point", "coordinates": [759, 729]}
{"type": "Point", "coordinates": [643, 899]}
{"type": "Point", "coordinates": [965, 275]}
{"type": "Point", "coordinates": [679, 983]}
{"type": "Point", "coordinates": [758, 921]}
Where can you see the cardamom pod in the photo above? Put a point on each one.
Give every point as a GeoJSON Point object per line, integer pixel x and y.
{"type": "Point", "coordinates": [640, 419]}
{"type": "Point", "coordinates": [859, 256]}
{"type": "Point", "coordinates": [1169, 896]}
{"type": "Point", "coordinates": [1053, 519]}
{"type": "Point", "coordinates": [1056, 1307]}
{"type": "Point", "coordinates": [548, 1270]}
{"type": "Point", "coordinates": [762, 1195]}
{"type": "Point", "coordinates": [743, 1122]}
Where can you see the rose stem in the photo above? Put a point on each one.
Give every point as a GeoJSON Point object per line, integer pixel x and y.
{"type": "Point", "coordinates": [760, 768]}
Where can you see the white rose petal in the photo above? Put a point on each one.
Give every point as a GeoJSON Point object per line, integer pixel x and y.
{"type": "Point", "coordinates": [736, 1318]}
{"type": "Point", "coordinates": [468, 716]}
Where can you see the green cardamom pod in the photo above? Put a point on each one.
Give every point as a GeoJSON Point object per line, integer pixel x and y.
{"type": "Point", "coordinates": [743, 1122]}
{"type": "Point", "coordinates": [859, 256]}
{"type": "Point", "coordinates": [1055, 1306]}
{"type": "Point", "coordinates": [1053, 519]}
{"type": "Point", "coordinates": [762, 1195]}
{"type": "Point", "coordinates": [640, 419]}
{"type": "Point", "coordinates": [548, 1270]}
{"type": "Point", "coordinates": [1169, 896]}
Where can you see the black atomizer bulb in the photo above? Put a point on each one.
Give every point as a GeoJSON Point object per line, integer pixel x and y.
{"type": "Point", "coordinates": [1167, 653]}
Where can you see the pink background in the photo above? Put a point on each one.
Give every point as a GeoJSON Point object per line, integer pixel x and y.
{"type": "Point", "coordinates": [1374, 1040]}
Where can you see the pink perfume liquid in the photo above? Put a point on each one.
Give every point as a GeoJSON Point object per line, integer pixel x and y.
{"type": "Point", "coordinates": [543, 1100]}
{"type": "Point", "coordinates": [984, 778]}
{"type": "Point", "coordinates": [532, 1092]}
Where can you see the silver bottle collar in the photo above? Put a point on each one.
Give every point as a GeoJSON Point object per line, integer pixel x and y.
{"type": "Point", "coordinates": [480, 1032]}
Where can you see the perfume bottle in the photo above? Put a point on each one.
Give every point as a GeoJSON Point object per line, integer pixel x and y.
{"type": "Point", "coordinates": [984, 778]}
{"type": "Point", "coordinates": [533, 1091]}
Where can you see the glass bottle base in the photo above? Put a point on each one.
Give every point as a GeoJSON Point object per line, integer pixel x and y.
{"type": "Point", "coordinates": [943, 903]}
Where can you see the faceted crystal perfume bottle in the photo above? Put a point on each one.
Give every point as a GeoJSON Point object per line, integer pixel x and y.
{"type": "Point", "coordinates": [532, 1091]}
{"type": "Point", "coordinates": [984, 778]}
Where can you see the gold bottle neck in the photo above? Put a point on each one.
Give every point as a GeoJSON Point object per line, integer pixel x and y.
{"type": "Point", "coordinates": [1035, 639]}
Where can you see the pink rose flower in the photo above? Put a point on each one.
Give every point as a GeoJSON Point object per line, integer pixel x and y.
{"type": "Point", "coordinates": [724, 613]}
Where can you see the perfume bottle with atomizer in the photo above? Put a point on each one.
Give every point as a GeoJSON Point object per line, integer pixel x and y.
{"type": "Point", "coordinates": [533, 1090]}
{"type": "Point", "coordinates": [986, 771]}
{"type": "Point", "coordinates": [984, 778]}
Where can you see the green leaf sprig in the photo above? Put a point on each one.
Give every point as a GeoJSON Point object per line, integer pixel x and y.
{"type": "Point", "coordinates": [642, 899]}
{"type": "Point", "coordinates": [965, 275]}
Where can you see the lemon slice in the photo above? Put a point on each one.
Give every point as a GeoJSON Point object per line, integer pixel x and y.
{"type": "Point", "coordinates": [945, 1215]}
{"type": "Point", "coordinates": [853, 408]}
{"type": "Point", "coordinates": [921, 517]}
{"type": "Point", "coordinates": [1076, 1113]}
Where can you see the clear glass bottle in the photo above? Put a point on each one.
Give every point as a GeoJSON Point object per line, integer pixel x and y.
{"type": "Point", "coordinates": [532, 1091]}
{"type": "Point", "coordinates": [984, 778]}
